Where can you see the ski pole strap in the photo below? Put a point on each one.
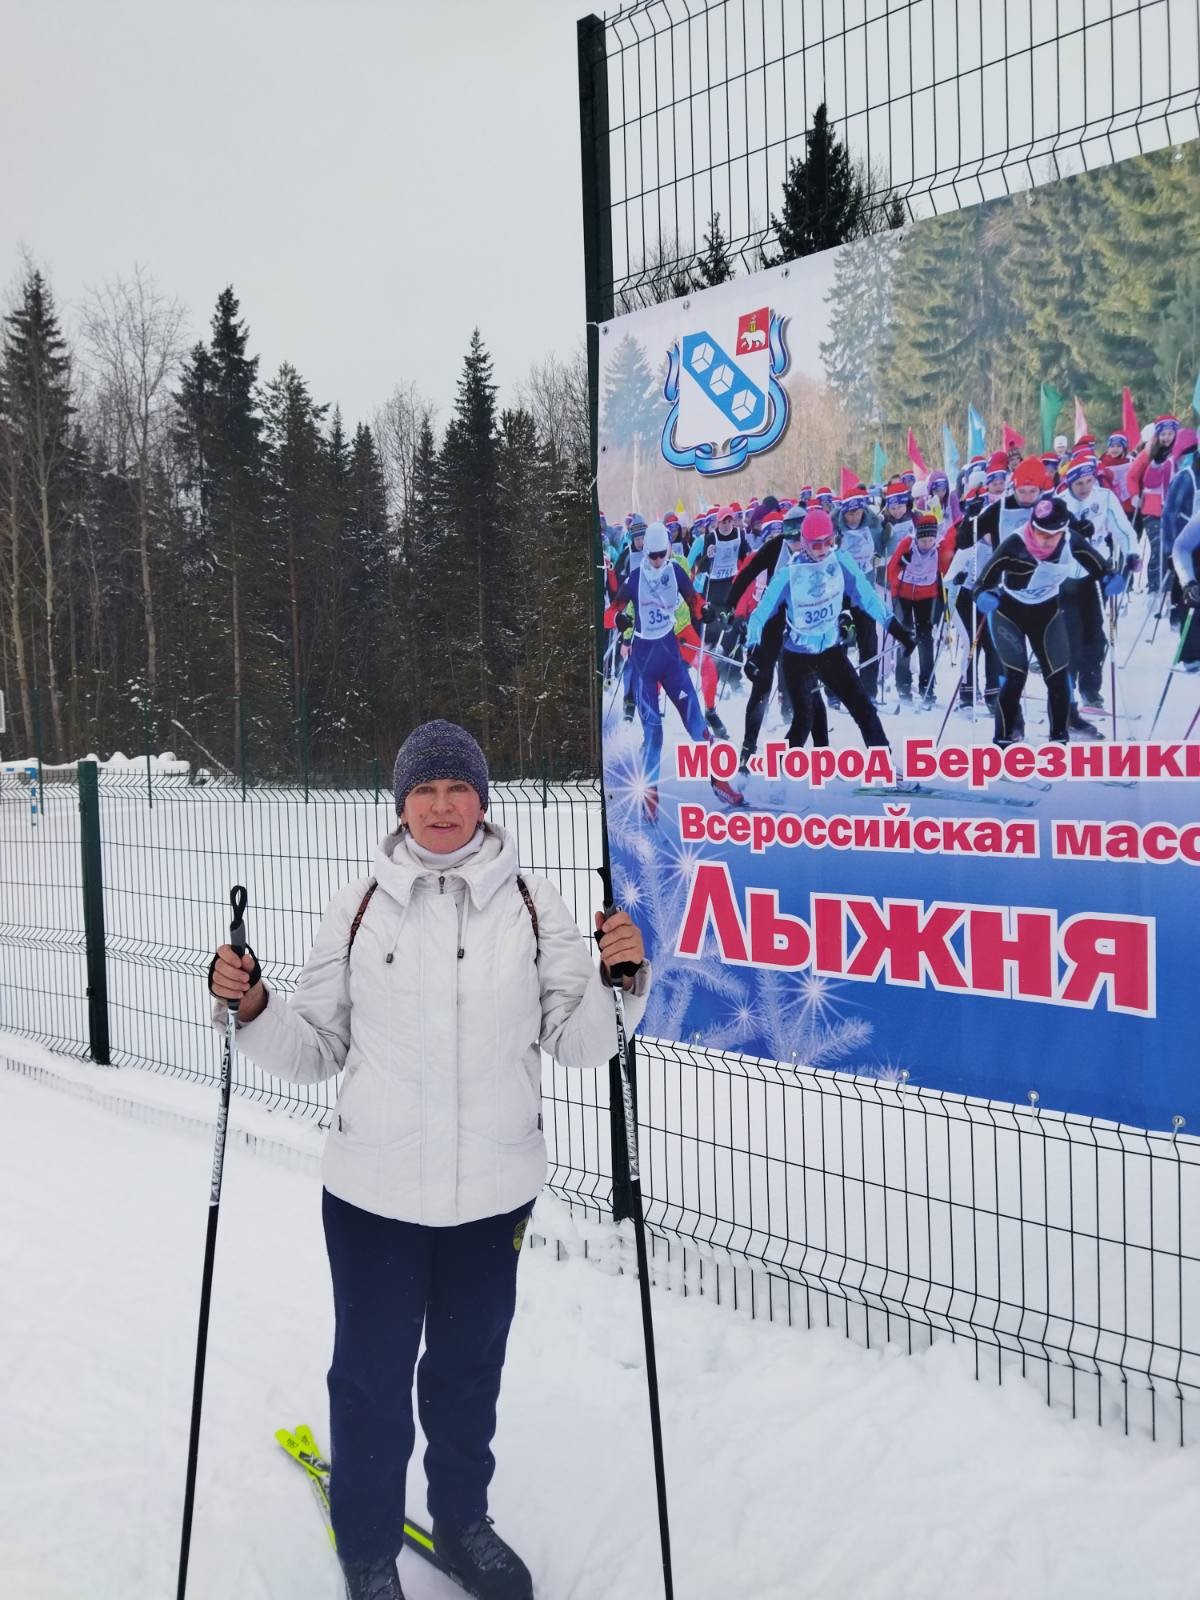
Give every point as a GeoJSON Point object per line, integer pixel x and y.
{"type": "Point", "coordinates": [238, 899]}
{"type": "Point", "coordinates": [237, 928]}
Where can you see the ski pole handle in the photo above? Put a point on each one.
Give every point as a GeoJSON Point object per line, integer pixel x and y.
{"type": "Point", "coordinates": [623, 969]}
{"type": "Point", "coordinates": [237, 928]}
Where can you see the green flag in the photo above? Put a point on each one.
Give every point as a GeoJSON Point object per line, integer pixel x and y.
{"type": "Point", "coordinates": [1052, 404]}
{"type": "Point", "coordinates": [879, 464]}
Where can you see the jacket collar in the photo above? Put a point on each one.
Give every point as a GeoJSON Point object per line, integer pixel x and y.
{"type": "Point", "coordinates": [486, 872]}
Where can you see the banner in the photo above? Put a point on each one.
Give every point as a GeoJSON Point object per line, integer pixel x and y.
{"type": "Point", "coordinates": [912, 799]}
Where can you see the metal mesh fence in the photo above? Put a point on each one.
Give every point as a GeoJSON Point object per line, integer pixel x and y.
{"type": "Point", "coordinates": [940, 103]}
{"type": "Point", "coordinates": [1063, 1248]}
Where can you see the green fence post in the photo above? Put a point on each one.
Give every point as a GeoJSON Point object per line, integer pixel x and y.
{"type": "Point", "coordinates": [598, 301]}
{"type": "Point", "coordinates": [93, 911]}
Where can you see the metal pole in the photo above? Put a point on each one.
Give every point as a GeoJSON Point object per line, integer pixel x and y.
{"type": "Point", "coordinates": [597, 256]}
{"type": "Point", "coordinates": [93, 911]}
{"type": "Point", "coordinates": [146, 742]}
{"type": "Point", "coordinates": [598, 303]}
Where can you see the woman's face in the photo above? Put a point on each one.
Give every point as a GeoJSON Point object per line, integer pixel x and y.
{"type": "Point", "coordinates": [443, 815]}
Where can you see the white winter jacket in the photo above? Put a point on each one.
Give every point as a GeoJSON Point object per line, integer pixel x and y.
{"type": "Point", "coordinates": [437, 1019]}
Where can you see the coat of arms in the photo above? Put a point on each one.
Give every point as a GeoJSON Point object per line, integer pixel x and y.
{"type": "Point", "coordinates": [726, 407]}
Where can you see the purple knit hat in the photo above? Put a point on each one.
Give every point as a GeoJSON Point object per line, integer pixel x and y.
{"type": "Point", "coordinates": [439, 750]}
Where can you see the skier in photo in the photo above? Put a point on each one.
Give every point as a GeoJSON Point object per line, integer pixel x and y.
{"type": "Point", "coordinates": [1018, 593]}
{"type": "Point", "coordinates": [1116, 459]}
{"type": "Point", "coordinates": [436, 1158]}
{"type": "Point", "coordinates": [914, 578]}
{"type": "Point", "coordinates": [976, 535]}
{"type": "Point", "coordinates": [897, 515]}
{"type": "Point", "coordinates": [629, 562]}
{"type": "Point", "coordinates": [713, 570]}
{"type": "Point", "coordinates": [1185, 559]}
{"type": "Point", "coordinates": [938, 495]}
{"type": "Point", "coordinates": [812, 591]}
{"type": "Point", "coordinates": [1181, 505]}
{"type": "Point", "coordinates": [1147, 482]}
{"type": "Point", "coordinates": [1097, 512]}
{"type": "Point", "coordinates": [761, 660]}
{"type": "Point", "coordinates": [995, 482]}
{"type": "Point", "coordinates": [860, 534]}
{"type": "Point", "coordinates": [654, 591]}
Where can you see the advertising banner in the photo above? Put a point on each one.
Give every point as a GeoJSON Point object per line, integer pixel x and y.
{"type": "Point", "coordinates": [902, 685]}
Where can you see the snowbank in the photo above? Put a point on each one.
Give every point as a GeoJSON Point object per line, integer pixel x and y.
{"type": "Point", "coordinates": [800, 1466]}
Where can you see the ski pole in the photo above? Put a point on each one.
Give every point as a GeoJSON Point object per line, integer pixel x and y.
{"type": "Point", "coordinates": [633, 1165]}
{"type": "Point", "coordinates": [1112, 659]}
{"type": "Point", "coordinates": [1184, 631]}
{"type": "Point", "coordinates": [237, 938]}
{"type": "Point", "coordinates": [1191, 725]}
{"type": "Point", "coordinates": [1151, 610]}
{"type": "Point", "coordinates": [961, 677]}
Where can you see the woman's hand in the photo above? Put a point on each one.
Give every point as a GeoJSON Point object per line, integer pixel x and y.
{"type": "Point", "coordinates": [620, 942]}
{"type": "Point", "coordinates": [234, 977]}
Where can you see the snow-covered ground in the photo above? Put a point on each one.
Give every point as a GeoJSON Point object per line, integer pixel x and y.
{"type": "Point", "coordinates": [800, 1466]}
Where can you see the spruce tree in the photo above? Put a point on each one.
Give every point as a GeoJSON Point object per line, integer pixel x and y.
{"type": "Point", "coordinates": [468, 559]}
{"type": "Point", "coordinates": [714, 264]}
{"type": "Point", "coordinates": [823, 199]}
{"type": "Point", "coordinates": [37, 405]}
{"type": "Point", "coordinates": [629, 408]}
{"type": "Point", "coordinates": [220, 440]}
{"type": "Point", "coordinates": [296, 528]}
{"type": "Point", "coordinates": [860, 310]}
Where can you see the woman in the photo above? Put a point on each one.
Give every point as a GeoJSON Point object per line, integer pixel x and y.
{"type": "Point", "coordinates": [434, 985]}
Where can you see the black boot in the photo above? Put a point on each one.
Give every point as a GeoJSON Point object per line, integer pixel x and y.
{"type": "Point", "coordinates": [713, 718]}
{"type": "Point", "coordinates": [1079, 724]}
{"type": "Point", "coordinates": [629, 707]}
{"type": "Point", "coordinates": [482, 1562]}
{"type": "Point", "coordinates": [372, 1580]}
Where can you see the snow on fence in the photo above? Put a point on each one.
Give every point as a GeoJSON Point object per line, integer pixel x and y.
{"type": "Point", "coordinates": [1064, 1248]}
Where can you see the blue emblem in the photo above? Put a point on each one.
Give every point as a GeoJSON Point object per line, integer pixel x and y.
{"type": "Point", "coordinates": [709, 390]}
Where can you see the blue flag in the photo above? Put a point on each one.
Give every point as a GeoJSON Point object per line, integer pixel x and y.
{"type": "Point", "coordinates": [976, 433]}
{"type": "Point", "coordinates": [950, 456]}
{"type": "Point", "coordinates": [879, 463]}
{"type": "Point", "coordinates": [1196, 398]}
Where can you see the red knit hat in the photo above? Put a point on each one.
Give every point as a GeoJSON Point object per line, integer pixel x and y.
{"type": "Point", "coordinates": [1031, 474]}
{"type": "Point", "coordinates": [998, 462]}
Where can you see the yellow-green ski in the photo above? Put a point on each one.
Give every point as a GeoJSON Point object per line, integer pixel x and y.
{"type": "Point", "coordinates": [304, 1451]}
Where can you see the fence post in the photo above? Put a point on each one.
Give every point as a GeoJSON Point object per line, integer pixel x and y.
{"type": "Point", "coordinates": [93, 911]}
{"type": "Point", "coordinates": [597, 283]}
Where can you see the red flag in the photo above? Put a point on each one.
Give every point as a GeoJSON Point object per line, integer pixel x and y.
{"type": "Point", "coordinates": [1081, 426]}
{"type": "Point", "coordinates": [849, 482]}
{"type": "Point", "coordinates": [752, 332]}
{"type": "Point", "coordinates": [915, 456]}
{"type": "Point", "coordinates": [1012, 439]}
{"type": "Point", "coordinates": [1129, 421]}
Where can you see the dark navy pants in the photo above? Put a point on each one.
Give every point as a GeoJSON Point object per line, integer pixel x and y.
{"type": "Point", "coordinates": [390, 1280]}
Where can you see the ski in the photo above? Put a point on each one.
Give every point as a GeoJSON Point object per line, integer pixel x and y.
{"type": "Point", "coordinates": [925, 791]}
{"type": "Point", "coordinates": [300, 1444]}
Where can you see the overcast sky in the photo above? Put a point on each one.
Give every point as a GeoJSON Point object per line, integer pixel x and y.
{"type": "Point", "coordinates": [374, 177]}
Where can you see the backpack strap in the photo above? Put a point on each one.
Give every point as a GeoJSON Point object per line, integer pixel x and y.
{"type": "Point", "coordinates": [531, 908]}
{"type": "Point", "coordinates": [373, 885]}
{"type": "Point", "coordinates": [359, 915]}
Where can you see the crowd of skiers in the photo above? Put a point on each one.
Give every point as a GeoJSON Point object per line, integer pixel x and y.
{"type": "Point", "coordinates": [1018, 554]}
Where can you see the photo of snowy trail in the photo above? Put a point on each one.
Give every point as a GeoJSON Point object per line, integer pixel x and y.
{"type": "Point", "coordinates": [799, 1465]}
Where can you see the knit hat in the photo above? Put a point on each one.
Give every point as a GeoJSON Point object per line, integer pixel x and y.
{"type": "Point", "coordinates": [925, 525]}
{"type": "Point", "coordinates": [439, 750]}
{"type": "Point", "coordinates": [1031, 474]}
{"type": "Point", "coordinates": [658, 540]}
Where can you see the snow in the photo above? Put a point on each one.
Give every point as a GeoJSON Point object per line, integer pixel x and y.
{"type": "Point", "coordinates": [799, 1465]}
